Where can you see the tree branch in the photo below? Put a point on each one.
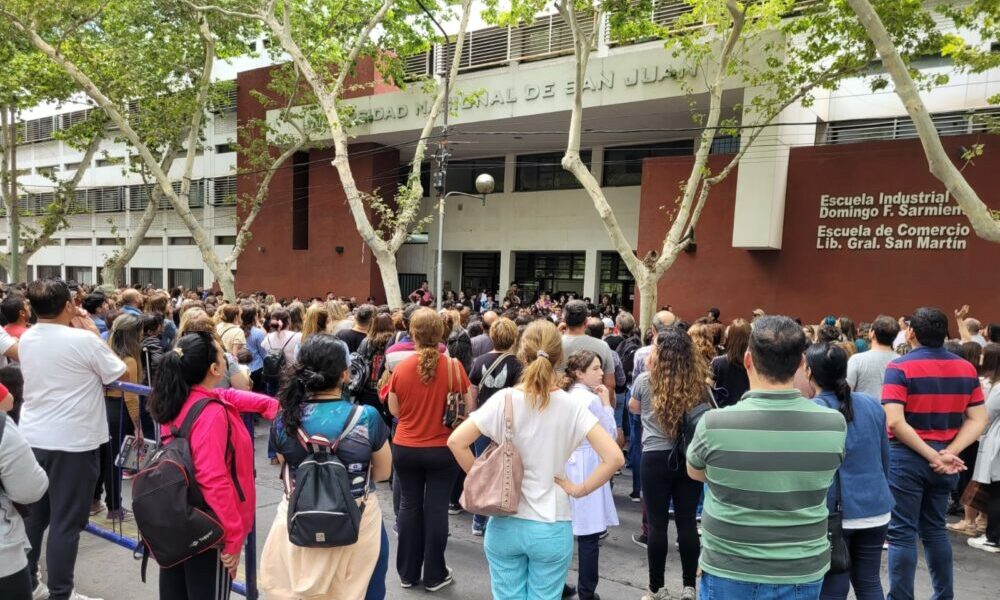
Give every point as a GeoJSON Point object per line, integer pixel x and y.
{"type": "Point", "coordinates": [408, 209]}
{"type": "Point", "coordinates": [197, 115]}
{"type": "Point", "coordinates": [980, 217]}
{"type": "Point", "coordinates": [211, 8]}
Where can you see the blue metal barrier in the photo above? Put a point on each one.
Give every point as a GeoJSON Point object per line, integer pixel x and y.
{"type": "Point", "coordinates": [247, 589]}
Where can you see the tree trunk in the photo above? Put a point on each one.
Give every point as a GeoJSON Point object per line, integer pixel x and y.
{"type": "Point", "coordinates": [390, 279]}
{"type": "Point", "coordinates": [980, 217]}
{"type": "Point", "coordinates": [227, 283]}
{"type": "Point", "coordinates": [647, 302]}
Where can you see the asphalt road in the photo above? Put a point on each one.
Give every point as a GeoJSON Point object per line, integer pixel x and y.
{"type": "Point", "coordinates": [107, 571]}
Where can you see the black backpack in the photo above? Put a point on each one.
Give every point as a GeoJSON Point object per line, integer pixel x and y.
{"type": "Point", "coordinates": [322, 512]}
{"type": "Point", "coordinates": [174, 521]}
{"type": "Point", "coordinates": [274, 361]}
{"type": "Point", "coordinates": [626, 351]}
{"type": "Point", "coordinates": [360, 372]}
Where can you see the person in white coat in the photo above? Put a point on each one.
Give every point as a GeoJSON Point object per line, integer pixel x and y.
{"type": "Point", "coordinates": [595, 512]}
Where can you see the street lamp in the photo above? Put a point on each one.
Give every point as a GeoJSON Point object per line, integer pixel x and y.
{"type": "Point", "coordinates": [484, 185]}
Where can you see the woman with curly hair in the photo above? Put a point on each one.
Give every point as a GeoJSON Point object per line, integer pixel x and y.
{"type": "Point", "coordinates": [670, 396]}
{"type": "Point", "coordinates": [312, 406]}
{"type": "Point", "coordinates": [426, 469]}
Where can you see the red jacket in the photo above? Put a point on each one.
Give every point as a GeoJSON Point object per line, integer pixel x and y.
{"type": "Point", "coordinates": [208, 448]}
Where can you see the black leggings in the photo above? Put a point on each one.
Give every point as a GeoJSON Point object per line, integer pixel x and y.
{"type": "Point", "coordinates": [993, 513]}
{"type": "Point", "coordinates": [202, 577]}
{"type": "Point", "coordinates": [426, 476]}
{"type": "Point", "coordinates": [16, 586]}
{"type": "Point", "coordinates": [665, 478]}
{"type": "Point", "coordinates": [119, 426]}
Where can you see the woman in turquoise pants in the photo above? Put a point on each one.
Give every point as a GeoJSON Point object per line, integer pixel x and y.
{"type": "Point", "coordinates": [529, 553]}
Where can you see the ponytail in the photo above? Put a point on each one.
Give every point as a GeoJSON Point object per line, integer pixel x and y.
{"type": "Point", "coordinates": [180, 370]}
{"type": "Point", "coordinates": [827, 363]}
{"type": "Point", "coordinates": [540, 352]}
{"type": "Point", "coordinates": [323, 359]}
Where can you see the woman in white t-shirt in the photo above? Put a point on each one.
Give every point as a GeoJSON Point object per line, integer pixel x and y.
{"type": "Point", "coordinates": [529, 553]}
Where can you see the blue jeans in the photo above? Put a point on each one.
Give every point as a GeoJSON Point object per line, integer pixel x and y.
{"type": "Point", "coordinates": [635, 451]}
{"type": "Point", "coordinates": [376, 587]}
{"type": "Point", "coordinates": [921, 497]}
{"type": "Point", "coordinates": [478, 447]}
{"type": "Point", "coordinates": [621, 407]}
{"type": "Point", "coordinates": [528, 559]}
{"type": "Point", "coordinates": [865, 546]}
{"type": "Point", "coordinates": [720, 588]}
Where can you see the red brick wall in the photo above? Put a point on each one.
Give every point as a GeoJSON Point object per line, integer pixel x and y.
{"type": "Point", "coordinates": [802, 280]}
{"type": "Point", "coordinates": [269, 262]}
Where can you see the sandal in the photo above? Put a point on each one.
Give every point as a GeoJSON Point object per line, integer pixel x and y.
{"type": "Point", "coordinates": [980, 525]}
{"type": "Point", "coordinates": [964, 527]}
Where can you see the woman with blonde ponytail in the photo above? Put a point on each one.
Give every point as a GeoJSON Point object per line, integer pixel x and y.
{"type": "Point", "coordinates": [418, 395]}
{"type": "Point", "coordinates": [529, 553]}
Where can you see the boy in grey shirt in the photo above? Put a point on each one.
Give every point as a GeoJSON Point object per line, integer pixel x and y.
{"type": "Point", "coordinates": [866, 370]}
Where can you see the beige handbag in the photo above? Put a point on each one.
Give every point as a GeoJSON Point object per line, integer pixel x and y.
{"type": "Point", "coordinates": [493, 484]}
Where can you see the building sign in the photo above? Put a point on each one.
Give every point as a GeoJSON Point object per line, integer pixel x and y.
{"type": "Point", "coordinates": [891, 221]}
{"type": "Point", "coordinates": [542, 87]}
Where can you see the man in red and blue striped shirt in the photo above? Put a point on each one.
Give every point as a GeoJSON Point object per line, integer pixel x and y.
{"type": "Point", "coordinates": [934, 410]}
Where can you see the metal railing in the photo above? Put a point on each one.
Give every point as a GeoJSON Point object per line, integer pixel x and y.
{"type": "Point", "coordinates": [547, 36]}
{"type": "Point", "coordinates": [248, 588]}
{"type": "Point", "coordinates": [902, 128]}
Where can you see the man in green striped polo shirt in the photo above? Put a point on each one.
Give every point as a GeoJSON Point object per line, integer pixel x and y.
{"type": "Point", "coordinates": [768, 461]}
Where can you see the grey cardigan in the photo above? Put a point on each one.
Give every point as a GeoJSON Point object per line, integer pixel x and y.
{"type": "Point", "coordinates": [21, 481]}
{"type": "Point", "coordinates": [988, 461]}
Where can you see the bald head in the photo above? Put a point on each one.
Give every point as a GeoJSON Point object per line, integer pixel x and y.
{"type": "Point", "coordinates": [973, 326]}
{"type": "Point", "coordinates": [663, 319]}
{"type": "Point", "coordinates": [131, 297]}
{"type": "Point", "coordinates": [489, 318]}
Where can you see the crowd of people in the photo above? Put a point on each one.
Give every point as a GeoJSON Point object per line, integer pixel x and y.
{"type": "Point", "coordinates": [803, 449]}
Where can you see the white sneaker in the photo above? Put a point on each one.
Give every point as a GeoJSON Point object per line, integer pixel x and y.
{"type": "Point", "coordinates": [660, 594]}
{"type": "Point", "coordinates": [41, 592]}
{"type": "Point", "coordinates": [78, 596]}
{"type": "Point", "coordinates": [983, 544]}
{"type": "Point", "coordinates": [689, 593]}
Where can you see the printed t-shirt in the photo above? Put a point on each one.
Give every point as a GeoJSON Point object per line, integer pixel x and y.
{"type": "Point", "coordinates": [422, 405]}
{"type": "Point", "coordinates": [328, 419]}
{"type": "Point", "coordinates": [504, 375]}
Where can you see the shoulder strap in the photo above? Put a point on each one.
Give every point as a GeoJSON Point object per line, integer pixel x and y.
{"type": "Point", "coordinates": [291, 336]}
{"type": "Point", "coordinates": [495, 364]}
{"type": "Point", "coordinates": [352, 421]}
{"type": "Point", "coordinates": [508, 416]}
{"type": "Point", "coordinates": [451, 363]}
{"type": "Point", "coordinates": [192, 415]}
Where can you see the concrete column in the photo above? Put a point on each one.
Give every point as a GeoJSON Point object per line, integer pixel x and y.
{"type": "Point", "coordinates": [509, 174]}
{"type": "Point", "coordinates": [590, 274]}
{"type": "Point", "coordinates": [506, 271]}
{"type": "Point", "coordinates": [763, 174]}
{"type": "Point", "coordinates": [597, 164]}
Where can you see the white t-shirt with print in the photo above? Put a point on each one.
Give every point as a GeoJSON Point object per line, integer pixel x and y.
{"type": "Point", "coordinates": [545, 440]}
{"type": "Point", "coordinates": [65, 370]}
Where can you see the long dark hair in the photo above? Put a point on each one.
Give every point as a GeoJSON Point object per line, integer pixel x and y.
{"type": "Point", "coordinates": [828, 363]}
{"type": "Point", "coordinates": [179, 370]}
{"type": "Point", "coordinates": [321, 365]}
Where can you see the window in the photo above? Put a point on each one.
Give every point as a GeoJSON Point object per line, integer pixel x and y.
{"type": "Point", "coordinates": [462, 174]}
{"type": "Point", "coordinates": [80, 274]}
{"type": "Point", "coordinates": [107, 242]}
{"type": "Point", "coordinates": [78, 241]}
{"type": "Point", "coordinates": [725, 145]}
{"type": "Point", "coordinates": [102, 200]}
{"type": "Point", "coordinates": [551, 271]}
{"type": "Point", "coordinates": [71, 166]}
{"type": "Point", "coordinates": [147, 276]}
{"type": "Point", "coordinates": [225, 240]}
{"type": "Point", "coordinates": [151, 241]}
{"type": "Point", "coordinates": [224, 148]}
{"type": "Point", "coordinates": [224, 190]}
{"type": "Point", "coordinates": [180, 241]}
{"type": "Point", "coordinates": [623, 165]}
{"type": "Point", "coordinates": [300, 201]}
{"type": "Point", "coordinates": [189, 278]}
{"type": "Point", "coordinates": [537, 172]}
{"type": "Point", "coordinates": [48, 171]}
{"type": "Point", "coordinates": [139, 195]}
{"type": "Point", "coordinates": [110, 161]}
{"type": "Point", "coordinates": [43, 271]}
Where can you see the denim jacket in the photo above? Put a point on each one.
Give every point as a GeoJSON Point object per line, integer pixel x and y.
{"type": "Point", "coordinates": [864, 473]}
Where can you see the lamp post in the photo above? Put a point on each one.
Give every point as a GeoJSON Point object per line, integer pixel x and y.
{"type": "Point", "coordinates": [484, 185]}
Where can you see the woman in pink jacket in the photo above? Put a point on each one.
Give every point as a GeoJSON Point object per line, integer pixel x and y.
{"type": "Point", "coordinates": [188, 374]}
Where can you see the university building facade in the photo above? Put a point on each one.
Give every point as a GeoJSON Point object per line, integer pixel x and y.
{"type": "Point", "coordinates": [832, 210]}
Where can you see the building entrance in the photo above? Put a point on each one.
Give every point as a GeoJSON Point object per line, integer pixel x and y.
{"type": "Point", "coordinates": [616, 281]}
{"type": "Point", "coordinates": [553, 272]}
{"type": "Point", "coordinates": [481, 271]}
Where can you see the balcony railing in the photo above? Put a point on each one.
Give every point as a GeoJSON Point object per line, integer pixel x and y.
{"type": "Point", "coordinates": [547, 37]}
